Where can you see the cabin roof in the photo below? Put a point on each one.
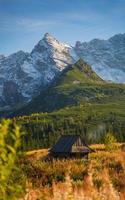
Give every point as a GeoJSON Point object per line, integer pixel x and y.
{"type": "Point", "coordinates": [64, 144]}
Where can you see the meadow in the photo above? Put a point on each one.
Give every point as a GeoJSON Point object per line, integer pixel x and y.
{"type": "Point", "coordinates": [26, 174]}
{"type": "Point", "coordinates": [101, 176]}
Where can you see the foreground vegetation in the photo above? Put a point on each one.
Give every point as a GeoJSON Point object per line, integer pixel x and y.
{"type": "Point", "coordinates": [100, 177]}
{"type": "Point", "coordinates": [12, 180]}
{"type": "Point", "coordinates": [28, 176]}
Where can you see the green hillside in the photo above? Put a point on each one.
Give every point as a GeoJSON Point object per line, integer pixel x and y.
{"type": "Point", "coordinates": [78, 102]}
{"type": "Point", "coordinates": [79, 72]}
{"type": "Point", "coordinates": [91, 121]}
{"type": "Point", "coordinates": [77, 84]}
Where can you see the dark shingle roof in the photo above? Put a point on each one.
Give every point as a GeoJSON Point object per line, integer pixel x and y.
{"type": "Point", "coordinates": [65, 143]}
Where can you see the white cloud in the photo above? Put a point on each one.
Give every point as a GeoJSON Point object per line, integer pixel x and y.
{"type": "Point", "coordinates": [30, 23]}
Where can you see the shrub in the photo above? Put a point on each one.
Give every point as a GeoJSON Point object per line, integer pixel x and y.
{"type": "Point", "coordinates": [109, 142]}
{"type": "Point", "coordinates": [97, 182]}
{"type": "Point", "coordinates": [44, 173]}
{"type": "Point", "coordinates": [116, 166]}
{"type": "Point", "coordinates": [78, 171]}
{"type": "Point", "coordinates": [59, 177]}
{"type": "Point", "coordinates": [77, 176]}
{"type": "Point", "coordinates": [10, 185]}
{"type": "Point", "coordinates": [117, 184]}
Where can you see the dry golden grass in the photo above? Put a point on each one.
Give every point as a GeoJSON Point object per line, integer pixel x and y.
{"type": "Point", "coordinates": [37, 154]}
{"type": "Point", "coordinates": [101, 147]}
{"type": "Point", "coordinates": [104, 178]}
{"type": "Point", "coordinates": [40, 153]}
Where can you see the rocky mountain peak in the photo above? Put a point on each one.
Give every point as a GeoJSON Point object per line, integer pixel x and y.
{"type": "Point", "coordinates": [107, 57]}
{"type": "Point", "coordinates": [25, 75]}
{"type": "Point", "coordinates": [50, 40]}
{"type": "Point", "coordinates": [48, 36]}
{"type": "Point", "coordinates": [118, 36]}
{"type": "Point", "coordinates": [2, 56]}
{"type": "Point", "coordinates": [53, 53]}
{"type": "Point", "coordinates": [47, 43]}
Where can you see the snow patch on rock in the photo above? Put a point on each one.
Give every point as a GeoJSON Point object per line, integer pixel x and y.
{"type": "Point", "coordinates": [107, 57]}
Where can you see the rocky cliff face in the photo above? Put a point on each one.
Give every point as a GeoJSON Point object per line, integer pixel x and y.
{"type": "Point", "coordinates": [107, 57]}
{"type": "Point", "coordinates": [24, 75]}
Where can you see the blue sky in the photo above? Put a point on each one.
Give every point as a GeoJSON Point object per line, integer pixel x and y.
{"type": "Point", "coordinates": [24, 22]}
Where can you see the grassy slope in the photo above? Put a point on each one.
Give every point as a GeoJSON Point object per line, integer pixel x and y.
{"type": "Point", "coordinates": [76, 85]}
{"type": "Point", "coordinates": [79, 99]}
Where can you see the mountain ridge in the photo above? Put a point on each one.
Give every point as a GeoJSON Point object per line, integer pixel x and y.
{"type": "Point", "coordinates": [76, 85]}
{"type": "Point", "coordinates": [31, 72]}
{"type": "Point", "coordinates": [25, 75]}
{"type": "Point", "coordinates": [107, 57]}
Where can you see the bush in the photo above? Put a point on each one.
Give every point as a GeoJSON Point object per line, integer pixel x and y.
{"type": "Point", "coordinates": [10, 186]}
{"type": "Point", "coordinates": [98, 182]}
{"type": "Point", "coordinates": [109, 142]}
{"type": "Point", "coordinates": [78, 171]}
{"type": "Point", "coordinates": [117, 184]}
{"type": "Point", "coordinates": [44, 173]}
{"type": "Point", "coordinates": [59, 177]}
{"type": "Point", "coordinates": [116, 166]}
{"type": "Point", "coordinates": [77, 176]}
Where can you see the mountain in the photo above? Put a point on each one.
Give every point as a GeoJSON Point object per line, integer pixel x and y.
{"type": "Point", "coordinates": [24, 75]}
{"type": "Point", "coordinates": [77, 84]}
{"type": "Point", "coordinates": [107, 57]}
{"type": "Point", "coordinates": [65, 90]}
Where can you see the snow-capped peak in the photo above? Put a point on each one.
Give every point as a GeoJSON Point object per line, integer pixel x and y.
{"type": "Point", "coordinates": [48, 37]}
{"type": "Point", "coordinates": [107, 57]}
{"type": "Point", "coordinates": [24, 75]}
{"type": "Point", "coordinates": [53, 52]}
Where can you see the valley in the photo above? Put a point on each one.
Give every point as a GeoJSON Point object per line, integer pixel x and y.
{"type": "Point", "coordinates": [62, 100]}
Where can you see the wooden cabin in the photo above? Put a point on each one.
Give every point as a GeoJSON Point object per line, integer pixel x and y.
{"type": "Point", "coordinates": [70, 146]}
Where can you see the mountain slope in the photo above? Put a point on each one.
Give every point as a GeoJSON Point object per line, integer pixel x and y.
{"type": "Point", "coordinates": [107, 57]}
{"type": "Point", "coordinates": [80, 72]}
{"type": "Point", "coordinates": [24, 75]}
{"type": "Point", "coordinates": [76, 85]}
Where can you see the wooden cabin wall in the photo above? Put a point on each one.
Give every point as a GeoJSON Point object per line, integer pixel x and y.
{"type": "Point", "coordinates": [78, 146]}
